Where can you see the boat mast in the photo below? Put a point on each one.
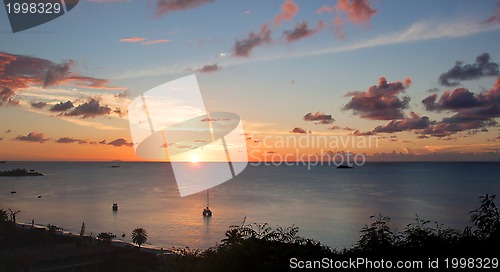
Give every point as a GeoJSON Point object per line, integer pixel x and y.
{"type": "Point", "coordinates": [207, 199]}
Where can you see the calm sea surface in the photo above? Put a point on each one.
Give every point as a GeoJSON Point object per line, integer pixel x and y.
{"type": "Point", "coordinates": [327, 204]}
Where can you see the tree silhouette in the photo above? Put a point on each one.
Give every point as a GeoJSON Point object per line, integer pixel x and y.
{"type": "Point", "coordinates": [139, 236]}
{"type": "Point", "coordinates": [106, 237]}
{"type": "Point", "coordinates": [486, 218]}
{"type": "Point", "coordinates": [4, 217]}
{"type": "Point", "coordinates": [233, 237]}
{"type": "Point", "coordinates": [377, 236]}
{"type": "Point", "coordinates": [13, 216]}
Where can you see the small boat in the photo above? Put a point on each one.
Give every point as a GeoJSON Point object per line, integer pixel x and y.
{"type": "Point", "coordinates": [115, 207]}
{"type": "Point", "coordinates": [13, 192]}
{"type": "Point", "coordinates": [206, 211]}
{"type": "Point", "coordinates": [344, 167]}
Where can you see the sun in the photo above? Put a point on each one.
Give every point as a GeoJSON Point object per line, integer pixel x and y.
{"type": "Point", "coordinates": [194, 159]}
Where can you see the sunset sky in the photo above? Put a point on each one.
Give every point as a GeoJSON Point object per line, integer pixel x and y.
{"type": "Point", "coordinates": [421, 76]}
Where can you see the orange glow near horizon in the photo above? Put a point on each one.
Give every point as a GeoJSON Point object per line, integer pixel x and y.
{"type": "Point", "coordinates": [260, 149]}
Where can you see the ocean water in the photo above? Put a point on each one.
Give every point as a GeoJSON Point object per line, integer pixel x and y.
{"type": "Point", "coordinates": [327, 204]}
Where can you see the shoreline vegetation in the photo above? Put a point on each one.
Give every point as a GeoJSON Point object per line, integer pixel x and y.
{"type": "Point", "coordinates": [18, 172]}
{"type": "Point", "coordinates": [246, 247]}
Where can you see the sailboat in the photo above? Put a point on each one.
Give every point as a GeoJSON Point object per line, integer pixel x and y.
{"type": "Point", "coordinates": [82, 230]}
{"type": "Point", "coordinates": [207, 212]}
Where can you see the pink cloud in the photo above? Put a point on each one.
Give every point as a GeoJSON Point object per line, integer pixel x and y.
{"type": "Point", "coordinates": [357, 11]}
{"type": "Point", "coordinates": [325, 9]}
{"type": "Point", "coordinates": [132, 40]}
{"type": "Point", "coordinates": [495, 19]}
{"type": "Point", "coordinates": [19, 72]}
{"type": "Point", "coordinates": [288, 10]}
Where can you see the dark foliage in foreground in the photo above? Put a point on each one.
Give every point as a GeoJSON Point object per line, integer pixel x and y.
{"type": "Point", "coordinates": [257, 247]}
{"type": "Point", "coordinates": [250, 247]}
{"type": "Point", "coordinates": [106, 237]}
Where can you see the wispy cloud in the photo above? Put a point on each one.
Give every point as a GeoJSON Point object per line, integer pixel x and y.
{"type": "Point", "coordinates": [165, 6]}
{"type": "Point", "coordinates": [93, 124]}
{"type": "Point", "coordinates": [325, 8]}
{"type": "Point", "coordinates": [150, 42]}
{"type": "Point", "coordinates": [288, 10]}
{"type": "Point", "coordinates": [495, 18]}
{"type": "Point", "coordinates": [209, 68]}
{"type": "Point", "coordinates": [417, 32]}
{"type": "Point", "coordinates": [144, 41]}
{"type": "Point", "coordinates": [132, 40]}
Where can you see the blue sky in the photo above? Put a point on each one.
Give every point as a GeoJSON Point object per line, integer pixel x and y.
{"type": "Point", "coordinates": [278, 82]}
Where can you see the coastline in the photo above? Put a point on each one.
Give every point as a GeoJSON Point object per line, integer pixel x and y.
{"type": "Point", "coordinates": [145, 248]}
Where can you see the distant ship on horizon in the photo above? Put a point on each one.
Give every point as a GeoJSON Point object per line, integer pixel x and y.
{"type": "Point", "coordinates": [343, 166]}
